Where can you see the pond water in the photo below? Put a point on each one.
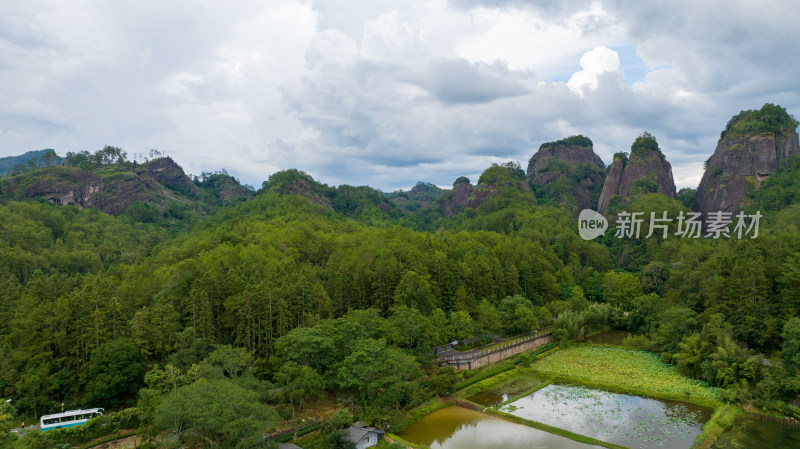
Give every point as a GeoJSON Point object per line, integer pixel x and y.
{"type": "Point", "coordinates": [751, 431]}
{"type": "Point", "coordinates": [501, 393]}
{"type": "Point", "coordinates": [460, 428]}
{"type": "Point", "coordinates": [612, 337]}
{"type": "Point", "coordinates": [627, 420]}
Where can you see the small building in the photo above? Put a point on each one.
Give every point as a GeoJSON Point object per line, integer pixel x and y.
{"type": "Point", "coordinates": [363, 436]}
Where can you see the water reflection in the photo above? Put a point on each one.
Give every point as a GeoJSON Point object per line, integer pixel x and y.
{"type": "Point", "coordinates": [750, 431]}
{"type": "Point", "coordinates": [460, 428]}
{"type": "Point", "coordinates": [627, 420]}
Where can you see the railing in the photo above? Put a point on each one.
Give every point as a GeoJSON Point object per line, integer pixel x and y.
{"type": "Point", "coordinates": [472, 357]}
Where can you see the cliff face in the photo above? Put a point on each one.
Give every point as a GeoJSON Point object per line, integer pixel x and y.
{"type": "Point", "coordinates": [647, 171]}
{"type": "Point", "coordinates": [111, 188]}
{"type": "Point", "coordinates": [453, 201]}
{"type": "Point", "coordinates": [611, 185]}
{"type": "Point", "coordinates": [169, 174]}
{"type": "Point", "coordinates": [578, 167]}
{"type": "Point", "coordinates": [739, 164]}
{"type": "Point", "coordinates": [571, 154]}
{"type": "Point", "coordinates": [79, 188]}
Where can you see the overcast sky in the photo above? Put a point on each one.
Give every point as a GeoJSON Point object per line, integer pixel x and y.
{"type": "Point", "coordinates": [387, 92]}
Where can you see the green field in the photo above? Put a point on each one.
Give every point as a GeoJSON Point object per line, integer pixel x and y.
{"type": "Point", "coordinates": [625, 371]}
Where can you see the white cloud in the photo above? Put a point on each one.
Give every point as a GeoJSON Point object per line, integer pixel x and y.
{"type": "Point", "coordinates": [384, 92]}
{"type": "Point", "coordinates": [594, 63]}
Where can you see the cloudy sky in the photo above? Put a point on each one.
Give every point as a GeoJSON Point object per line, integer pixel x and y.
{"type": "Point", "coordinates": [387, 92]}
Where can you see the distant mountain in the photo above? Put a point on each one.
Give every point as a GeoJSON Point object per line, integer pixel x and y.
{"type": "Point", "coordinates": [156, 189]}
{"type": "Point", "coordinates": [8, 162]}
{"type": "Point", "coordinates": [361, 202]}
{"type": "Point", "coordinates": [421, 196]}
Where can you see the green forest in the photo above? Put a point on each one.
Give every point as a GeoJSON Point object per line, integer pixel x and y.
{"type": "Point", "coordinates": [211, 323]}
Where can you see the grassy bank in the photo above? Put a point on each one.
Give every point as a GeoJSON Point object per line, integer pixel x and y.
{"type": "Point", "coordinates": [484, 375]}
{"type": "Point", "coordinates": [624, 371]}
{"type": "Point", "coordinates": [397, 439]}
{"type": "Point", "coordinates": [721, 420]}
{"type": "Point", "coordinates": [527, 392]}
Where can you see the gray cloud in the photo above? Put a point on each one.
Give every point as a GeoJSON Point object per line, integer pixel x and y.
{"type": "Point", "coordinates": [387, 93]}
{"type": "Point", "coordinates": [458, 81]}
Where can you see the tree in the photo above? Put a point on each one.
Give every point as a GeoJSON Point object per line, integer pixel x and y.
{"type": "Point", "coordinates": [620, 288]}
{"type": "Point", "coordinates": [461, 326]}
{"type": "Point", "coordinates": [415, 291]}
{"type": "Point", "coordinates": [8, 420]}
{"type": "Point", "coordinates": [518, 314]}
{"type": "Point", "coordinates": [115, 372]}
{"type": "Point", "coordinates": [408, 328]}
{"type": "Point", "coordinates": [376, 374]}
{"type": "Point", "coordinates": [188, 350]}
{"type": "Point", "coordinates": [791, 344]}
{"type": "Point", "coordinates": [490, 319]}
{"type": "Point", "coordinates": [49, 158]}
{"type": "Point", "coordinates": [217, 410]}
{"type": "Point", "coordinates": [299, 382]}
{"type": "Point", "coordinates": [226, 361]}
{"type": "Point", "coordinates": [443, 381]}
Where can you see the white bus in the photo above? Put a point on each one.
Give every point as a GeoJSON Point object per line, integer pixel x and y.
{"type": "Point", "coordinates": [68, 419]}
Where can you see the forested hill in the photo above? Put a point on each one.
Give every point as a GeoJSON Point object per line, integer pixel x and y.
{"type": "Point", "coordinates": [156, 189]}
{"type": "Point", "coordinates": [308, 290]}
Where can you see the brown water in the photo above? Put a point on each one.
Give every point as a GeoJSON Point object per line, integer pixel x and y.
{"type": "Point", "coordinates": [460, 428]}
{"type": "Point", "coordinates": [501, 393]}
{"type": "Point", "coordinates": [630, 421]}
{"type": "Point", "coordinates": [751, 431]}
{"type": "Point", "coordinates": [613, 337]}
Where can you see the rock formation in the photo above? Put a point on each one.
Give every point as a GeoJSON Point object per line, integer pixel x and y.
{"type": "Point", "coordinates": [752, 147]}
{"type": "Point", "coordinates": [646, 171]}
{"type": "Point", "coordinates": [453, 201]}
{"type": "Point", "coordinates": [111, 188]}
{"type": "Point", "coordinates": [506, 181]}
{"type": "Point", "coordinates": [574, 164]}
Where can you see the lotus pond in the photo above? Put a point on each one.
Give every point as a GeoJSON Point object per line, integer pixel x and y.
{"type": "Point", "coordinates": [460, 428]}
{"type": "Point", "coordinates": [627, 420]}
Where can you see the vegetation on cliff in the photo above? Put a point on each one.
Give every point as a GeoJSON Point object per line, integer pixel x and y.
{"type": "Point", "coordinates": [770, 118]}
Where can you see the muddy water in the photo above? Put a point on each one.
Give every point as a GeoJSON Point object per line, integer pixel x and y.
{"type": "Point", "coordinates": [750, 431]}
{"type": "Point", "coordinates": [460, 428]}
{"type": "Point", "coordinates": [627, 420]}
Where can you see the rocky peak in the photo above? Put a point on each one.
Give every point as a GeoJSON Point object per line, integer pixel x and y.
{"type": "Point", "coordinates": [573, 150]}
{"type": "Point", "coordinates": [645, 171]}
{"type": "Point", "coordinates": [752, 147]}
{"type": "Point", "coordinates": [453, 201]}
{"type": "Point", "coordinates": [506, 181]}
{"type": "Point", "coordinates": [169, 174]}
{"type": "Point", "coordinates": [573, 163]}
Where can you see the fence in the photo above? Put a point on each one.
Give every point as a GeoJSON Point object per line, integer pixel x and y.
{"type": "Point", "coordinates": [471, 360]}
